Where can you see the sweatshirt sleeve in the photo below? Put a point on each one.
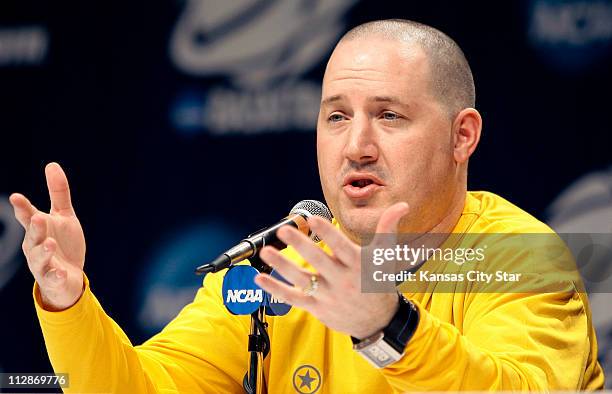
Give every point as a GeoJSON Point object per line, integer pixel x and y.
{"type": "Point", "coordinates": [535, 342]}
{"type": "Point", "coordinates": [532, 335]}
{"type": "Point", "coordinates": [203, 349]}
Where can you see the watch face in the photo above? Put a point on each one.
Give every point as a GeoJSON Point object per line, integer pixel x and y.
{"type": "Point", "coordinates": [387, 346]}
{"type": "Point", "coordinates": [380, 354]}
{"type": "Point", "coordinates": [376, 353]}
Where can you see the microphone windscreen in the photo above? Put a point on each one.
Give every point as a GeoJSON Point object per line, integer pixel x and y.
{"type": "Point", "coordinates": [309, 208]}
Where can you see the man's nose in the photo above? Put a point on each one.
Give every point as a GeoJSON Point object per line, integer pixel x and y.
{"type": "Point", "coordinates": [361, 146]}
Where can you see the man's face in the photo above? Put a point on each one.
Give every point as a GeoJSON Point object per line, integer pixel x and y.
{"type": "Point", "coordinates": [382, 137]}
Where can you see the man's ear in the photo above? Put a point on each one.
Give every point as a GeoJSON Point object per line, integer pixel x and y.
{"type": "Point", "coordinates": [466, 131]}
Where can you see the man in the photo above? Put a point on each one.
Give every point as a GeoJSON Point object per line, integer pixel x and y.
{"type": "Point", "coordinates": [395, 130]}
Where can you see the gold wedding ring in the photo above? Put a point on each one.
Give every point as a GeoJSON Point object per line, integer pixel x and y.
{"type": "Point", "coordinates": [312, 286]}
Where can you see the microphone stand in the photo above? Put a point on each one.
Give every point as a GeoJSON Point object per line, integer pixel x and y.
{"type": "Point", "coordinates": [259, 342]}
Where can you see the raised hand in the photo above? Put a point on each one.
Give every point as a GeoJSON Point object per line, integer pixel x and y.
{"type": "Point", "coordinates": [54, 244]}
{"type": "Point", "coordinates": [338, 301]}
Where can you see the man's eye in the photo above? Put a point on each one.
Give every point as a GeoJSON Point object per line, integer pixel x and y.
{"type": "Point", "coordinates": [335, 118]}
{"type": "Point", "coordinates": [390, 116]}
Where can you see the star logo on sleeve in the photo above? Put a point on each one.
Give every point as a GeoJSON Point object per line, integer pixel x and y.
{"type": "Point", "coordinates": [306, 379]}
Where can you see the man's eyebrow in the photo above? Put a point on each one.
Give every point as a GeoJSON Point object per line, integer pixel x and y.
{"type": "Point", "coordinates": [332, 99]}
{"type": "Point", "coordinates": [385, 99]}
{"type": "Point", "coordinates": [377, 99]}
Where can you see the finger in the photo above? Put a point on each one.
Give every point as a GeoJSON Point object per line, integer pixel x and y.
{"type": "Point", "coordinates": [23, 209]}
{"type": "Point", "coordinates": [388, 222]}
{"type": "Point", "coordinates": [291, 295]}
{"type": "Point", "coordinates": [48, 266]}
{"type": "Point", "coordinates": [56, 275]}
{"type": "Point", "coordinates": [321, 261]}
{"type": "Point", "coordinates": [38, 230]}
{"type": "Point", "coordinates": [344, 249]}
{"type": "Point", "coordinates": [39, 257]}
{"type": "Point", "coordinates": [294, 274]}
{"type": "Point", "coordinates": [59, 191]}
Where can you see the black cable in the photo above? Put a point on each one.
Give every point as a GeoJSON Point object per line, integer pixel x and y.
{"type": "Point", "coordinates": [262, 333]}
{"type": "Point", "coordinates": [262, 329]}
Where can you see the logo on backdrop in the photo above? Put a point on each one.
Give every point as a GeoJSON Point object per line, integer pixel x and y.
{"type": "Point", "coordinates": [586, 207]}
{"type": "Point", "coordinates": [168, 282]}
{"type": "Point", "coordinates": [23, 45]}
{"type": "Point", "coordinates": [262, 47]}
{"type": "Point", "coordinates": [11, 235]}
{"type": "Point", "coordinates": [571, 35]}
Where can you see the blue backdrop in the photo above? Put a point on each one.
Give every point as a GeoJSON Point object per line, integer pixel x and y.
{"type": "Point", "coordinates": [159, 111]}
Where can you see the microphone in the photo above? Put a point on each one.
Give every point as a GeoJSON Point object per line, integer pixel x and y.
{"type": "Point", "coordinates": [250, 246]}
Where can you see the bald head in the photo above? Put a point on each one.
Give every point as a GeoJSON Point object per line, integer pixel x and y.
{"type": "Point", "coordinates": [450, 76]}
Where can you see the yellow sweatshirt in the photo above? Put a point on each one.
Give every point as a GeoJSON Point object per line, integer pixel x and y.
{"type": "Point", "coordinates": [480, 341]}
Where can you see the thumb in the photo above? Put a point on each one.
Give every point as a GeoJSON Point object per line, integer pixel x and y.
{"type": "Point", "coordinates": [389, 220]}
{"type": "Point", "coordinates": [387, 225]}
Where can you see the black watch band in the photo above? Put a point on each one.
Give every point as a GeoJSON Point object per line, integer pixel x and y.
{"type": "Point", "coordinates": [402, 326]}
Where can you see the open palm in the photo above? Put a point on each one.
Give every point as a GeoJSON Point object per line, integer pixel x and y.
{"type": "Point", "coordinates": [54, 243]}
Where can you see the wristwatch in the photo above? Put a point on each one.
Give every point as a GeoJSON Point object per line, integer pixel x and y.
{"type": "Point", "coordinates": [387, 346]}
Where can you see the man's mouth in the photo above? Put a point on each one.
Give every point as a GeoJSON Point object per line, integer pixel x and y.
{"type": "Point", "coordinates": [361, 186]}
{"type": "Point", "coordinates": [361, 182]}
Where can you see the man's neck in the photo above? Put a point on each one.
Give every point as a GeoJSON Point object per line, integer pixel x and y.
{"type": "Point", "coordinates": [450, 220]}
